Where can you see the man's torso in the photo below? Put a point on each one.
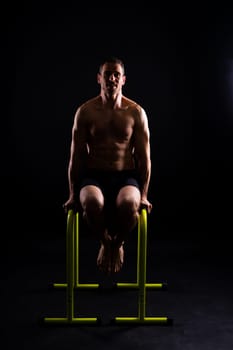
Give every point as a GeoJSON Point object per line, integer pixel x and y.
{"type": "Point", "coordinates": [110, 135]}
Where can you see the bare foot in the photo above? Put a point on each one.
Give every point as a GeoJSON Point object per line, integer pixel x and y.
{"type": "Point", "coordinates": [104, 256]}
{"type": "Point", "coordinates": [110, 257]}
{"type": "Point", "coordinates": [117, 258]}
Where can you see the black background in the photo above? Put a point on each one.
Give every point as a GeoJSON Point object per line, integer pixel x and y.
{"type": "Point", "coordinates": [179, 66]}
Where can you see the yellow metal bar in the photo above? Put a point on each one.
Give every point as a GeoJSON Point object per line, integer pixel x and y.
{"type": "Point", "coordinates": [142, 285]}
{"type": "Point", "coordinates": [75, 320]}
{"type": "Point", "coordinates": [77, 284]}
{"type": "Point", "coordinates": [70, 265]}
{"type": "Point", "coordinates": [76, 249]}
{"type": "Point", "coordinates": [155, 285]}
{"type": "Point", "coordinates": [77, 240]}
{"type": "Point", "coordinates": [76, 244]}
{"type": "Point", "coordinates": [135, 285]}
{"type": "Point", "coordinates": [142, 265]}
{"type": "Point", "coordinates": [71, 275]}
{"type": "Point", "coordinates": [145, 320]}
{"type": "Point", "coordinates": [138, 250]}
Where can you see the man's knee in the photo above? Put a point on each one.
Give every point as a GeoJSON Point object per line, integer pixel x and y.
{"type": "Point", "coordinates": [128, 203]}
{"type": "Point", "coordinates": [92, 200]}
{"type": "Point", "coordinates": [129, 197]}
{"type": "Point", "coordinates": [92, 206]}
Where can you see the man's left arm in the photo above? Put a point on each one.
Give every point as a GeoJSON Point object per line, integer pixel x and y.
{"type": "Point", "coordinates": [142, 154]}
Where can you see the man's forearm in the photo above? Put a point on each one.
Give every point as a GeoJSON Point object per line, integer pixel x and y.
{"type": "Point", "coordinates": [145, 175]}
{"type": "Point", "coordinates": [75, 173]}
{"type": "Point", "coordinates": [72, 180]}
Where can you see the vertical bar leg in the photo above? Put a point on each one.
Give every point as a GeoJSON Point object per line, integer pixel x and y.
{"type": "Point", "coordinates": [135, 285]}
{"type": "Point", "coordinates": [77, 240]}
{"type": "Point", "coordinates": [77, 284]}
{"type": "Point", "coordinates": [71, 250]}
{"type": "Point", "coordinates": [142, 268]}
{"type": "Point", "coordinates": [141, 318]}
{"type": "Point", "coordinates": [70, 267]}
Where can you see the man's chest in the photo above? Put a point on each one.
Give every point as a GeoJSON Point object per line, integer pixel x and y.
{"type": "Point", "coordinates": [114, 124]}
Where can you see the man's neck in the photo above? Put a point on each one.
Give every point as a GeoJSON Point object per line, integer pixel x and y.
{"type": "Point", "coordinates": [111, 101]}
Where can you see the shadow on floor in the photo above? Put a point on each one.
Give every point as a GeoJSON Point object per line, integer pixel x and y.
{"type": "Point", "coordinates": [198, 298]}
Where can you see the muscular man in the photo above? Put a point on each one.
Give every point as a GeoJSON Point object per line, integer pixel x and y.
{"type": "Point", "coordinates": [110, 167]}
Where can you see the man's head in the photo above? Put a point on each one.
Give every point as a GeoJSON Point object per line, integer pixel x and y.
{"type": "Point", "coordinates": [111, 75]}
{"type": "Point", "coordinates": [113, 60]}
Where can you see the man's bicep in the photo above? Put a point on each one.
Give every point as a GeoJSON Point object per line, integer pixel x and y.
{"type": "Point", "coordinates": [142, 147]}
{"type": "Point", "coordinates": [142, 137]}
{"type": "Point", "coordinates": [79, 133]}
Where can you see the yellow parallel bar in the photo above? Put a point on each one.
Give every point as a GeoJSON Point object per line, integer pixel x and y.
{"type": "Point", "coordinates": [70, 265]}
{"type": "Point", "coordinates": [75, 263]}
{"type": "Point", "coordinates": [142, 265]}
{"type": "Point", "coordinates": [87, 285]}
{"type": "Point", "coordinates": [136, 285]}
{"type": "Point", "coordinates": [76, 249]}
{"type": "Point", "coordinates": [138, 320]}
{"type": "Point", "coordinates": [75, 320]}
{"type": "Point", "coordinates": [127, 285]}
{"type": "Point", "coordinates": [79, 286]}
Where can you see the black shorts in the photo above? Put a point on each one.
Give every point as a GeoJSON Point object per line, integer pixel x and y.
{"type": "Point", "coordinates": [110, 182]}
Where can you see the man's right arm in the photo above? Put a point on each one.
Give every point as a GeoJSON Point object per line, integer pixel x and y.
{"type": "Point", "coordinates": [142, 153]}
{"type": "Point", "coordinates": [78, 154]}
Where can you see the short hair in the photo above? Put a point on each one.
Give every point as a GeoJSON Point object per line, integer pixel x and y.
{"type": "Point", "coordinates": [112, 59]}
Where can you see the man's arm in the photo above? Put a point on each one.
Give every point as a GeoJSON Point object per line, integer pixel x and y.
{"type": "Point", "coordinates": [142, 153]}
{"type": "Point", "coordinates": [78, 156]}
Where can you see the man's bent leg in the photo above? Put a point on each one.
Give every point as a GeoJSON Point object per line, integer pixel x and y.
{"type": "Point", "coordinates": [92, 202]}
{"type": "Point", "coordinates": [127, 204]}
{"type": "Point", "coordinates": [127, 207]}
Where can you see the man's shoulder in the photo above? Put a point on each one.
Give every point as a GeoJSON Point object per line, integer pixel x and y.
{"type": "Point", "coordinates": [129, 103]}
{"type": "Point", "coordinates": [86, 109]}
{"type": "Point", "coordinates": [89, 104]}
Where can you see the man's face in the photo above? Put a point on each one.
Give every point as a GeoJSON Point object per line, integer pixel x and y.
{"type": "Point", "coordinates": [111, 78]}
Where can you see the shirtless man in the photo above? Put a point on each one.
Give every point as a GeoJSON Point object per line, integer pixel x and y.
{"type": "Point", "coordinates": [110, 167]}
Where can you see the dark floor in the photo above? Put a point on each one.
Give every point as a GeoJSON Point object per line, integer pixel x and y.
{"type": "Point", "coordinates": [199, 297]}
